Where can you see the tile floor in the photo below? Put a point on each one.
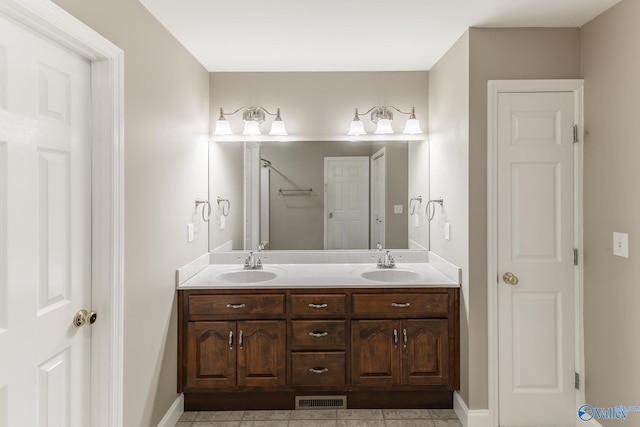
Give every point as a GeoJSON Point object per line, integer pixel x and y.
{"type": "Point", "coordinates": [323, 418]}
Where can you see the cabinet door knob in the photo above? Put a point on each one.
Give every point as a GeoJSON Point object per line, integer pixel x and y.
{"type": "Point", "coordinates": [318, 334]}
{"type": "Point", "coordinates": [240, 339]}
{"type": "Point", "coordinates": [318, 370]}
{"type": "Point", "coordinates": [395, 337]}
{"type": "Point", "coordinates": [230, 339]}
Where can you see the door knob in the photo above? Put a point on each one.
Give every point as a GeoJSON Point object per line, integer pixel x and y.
{"type": "Point", "coordinates": [510, 278]}
{"type": "Point", "coordinates": [84, 317]}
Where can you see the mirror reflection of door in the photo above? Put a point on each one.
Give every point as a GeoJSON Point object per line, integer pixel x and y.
{"type": "Point", "coordinates": [346, 202]}
{"type": "Point", "coordinates": [378, 197]}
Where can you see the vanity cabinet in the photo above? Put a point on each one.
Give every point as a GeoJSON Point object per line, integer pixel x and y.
{"type": "Point", "coordinates": [259, 349]}
{"type": "Point", "coordinates": [399, 352]}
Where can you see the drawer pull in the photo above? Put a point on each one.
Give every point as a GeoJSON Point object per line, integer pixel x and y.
{"type": "Point", "coordinates": [236, 305]}
{"type": "Point", "coordinates": [318, 334]}
{"type": "Point", "coordinates": [240, 340]}
{"type": "Point", "coordinates": [404, 337]}
{"type": "Point", "coordinates": [395, 337]}
{"type": "Point", "coordinates": [230, 339]}
{"type": "Point", "coordinates": [312, 305]}
{"type": "Point", "coordinates": [401, 304]}
{"type": "Point", "coordinates": [318, 370]}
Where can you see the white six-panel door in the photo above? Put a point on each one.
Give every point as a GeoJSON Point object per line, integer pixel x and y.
{"type": "Point", "coordinates": [346, 204]}
{"type": "Point", "coordinates": [535, 226]}
{"type": "Point", "coordinates": [45, 233]}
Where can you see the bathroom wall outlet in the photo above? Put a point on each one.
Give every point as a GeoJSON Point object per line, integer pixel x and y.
{"type": "Point", "coordinates": [447, 231]}
{"type": "Point", "coordinates": [190, 232]}
{"type": "Point", "coordinates": [621, 244]}
{"type": "Point", "coordinates": [397, 209]}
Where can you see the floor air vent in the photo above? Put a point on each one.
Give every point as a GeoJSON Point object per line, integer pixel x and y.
{"type": "Point", "coordinates": [321, 402]}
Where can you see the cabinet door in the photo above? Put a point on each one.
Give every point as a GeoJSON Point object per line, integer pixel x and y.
{"type": "Point", "coordinates": [262, 353]}
{"type": "Point", "coordinates": [425, 352]}
{"type": "Point", "coordinates": [210, 355]}
{"type": "Point", "coordinates": [375, 356]}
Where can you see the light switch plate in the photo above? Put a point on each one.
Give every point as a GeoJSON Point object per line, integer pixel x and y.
{"type": "Point", "coordinates": [190, 232]}
{"type": "Point", "coordinates": [621, 244]}
{"type": "Point", "coordinates": [397, 209]}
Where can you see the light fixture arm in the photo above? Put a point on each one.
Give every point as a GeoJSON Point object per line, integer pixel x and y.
{"type": "Point", "coordinates": [381, 108]}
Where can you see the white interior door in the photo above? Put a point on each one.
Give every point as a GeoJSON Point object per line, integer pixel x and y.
{"type": "Point", "coordinates": [378, 197]}
{"type": "Point", "coordinates": [346, 202]}
{"type": "Point", "coordinates": [536, 238]}
{"type": "Point", "coordinates": [45, 237]}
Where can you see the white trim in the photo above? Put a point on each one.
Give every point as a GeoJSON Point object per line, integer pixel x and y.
{"type": "Point", "coordinates": [174, 413]}
{"type": "Point", "coordinates": [494, 88]}
{"type": "Point", "coordinates": [470, 418]}
{"type": "Point", "coordinates": [107, 74]}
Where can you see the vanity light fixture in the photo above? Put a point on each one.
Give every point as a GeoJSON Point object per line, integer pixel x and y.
{"type": "Point", "coordinates": [382, 117]}
{"type": "Point", "coordinates": [252, 117]}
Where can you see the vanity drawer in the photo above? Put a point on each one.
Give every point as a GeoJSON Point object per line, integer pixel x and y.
{"type": "Point", "coordinates": [401, 303]}
{"type": "Point", "coordinates": [317, 368]}
{"type": "Point", "coordinates": [236, 304]}
{"type": "Point", "coordinates": [318, 335]}
{"type": "Point", "coordinates": [318, 304]}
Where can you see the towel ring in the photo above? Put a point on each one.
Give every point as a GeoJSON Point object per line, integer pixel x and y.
{"type": "Point", "coordinates": [204, 202]}
{"type": "Point", "coordinates": [413, 205]}
{"type": "Point", "coordinates": [224, 202]}
{"type": "Point", "coordinates": [431, 207]}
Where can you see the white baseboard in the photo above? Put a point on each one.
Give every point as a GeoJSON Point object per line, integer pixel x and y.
{"type": "Point", "coordinates": [174, 413]}
{"type": "Point", "coordinates": [473, 417]}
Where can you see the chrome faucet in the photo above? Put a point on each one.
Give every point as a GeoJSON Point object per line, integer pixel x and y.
{"type": "Point", "coordinates": [252, 262]}
{"type": "Point", "coordinates": [386, 261]}
{"type": "Point", "coordinates": [261, 247]}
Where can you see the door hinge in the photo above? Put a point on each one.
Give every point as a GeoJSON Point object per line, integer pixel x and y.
{"type": "Point", "coordinates": [575, 133]}
{"type": "Point", "coordinates": [577, 381]}
{"type": "Point", "coordinates": [575, 256]}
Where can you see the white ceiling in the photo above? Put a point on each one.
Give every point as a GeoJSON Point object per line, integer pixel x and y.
{"type": "Point", "coordinates": [347, 35]}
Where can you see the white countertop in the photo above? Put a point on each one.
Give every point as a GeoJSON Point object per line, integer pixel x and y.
{"type": "Point", "coordinates": [319, 275]}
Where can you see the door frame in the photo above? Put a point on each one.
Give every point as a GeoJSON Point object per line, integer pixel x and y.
{"type": "Point", "coordinates": [495, 87]}
{"type": "Point", "coordinates": [107, 198]}
{"type": "Point", "coordinates": [375, 156]}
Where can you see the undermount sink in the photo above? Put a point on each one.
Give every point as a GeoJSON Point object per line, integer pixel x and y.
{"type": "Point", "coordinates": [391, 275]}
{"type": "Point", "coordinates": [247, 276]}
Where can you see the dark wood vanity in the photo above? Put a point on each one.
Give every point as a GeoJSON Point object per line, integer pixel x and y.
{"type": "Point", "coordinates": [259, 349]}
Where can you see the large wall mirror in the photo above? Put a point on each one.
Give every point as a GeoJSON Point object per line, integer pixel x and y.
{"type": "Point", "coordinates": [317, 195]}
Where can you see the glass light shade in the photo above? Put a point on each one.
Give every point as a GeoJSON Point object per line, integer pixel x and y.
{"type": "Point", "coordinates": [251, 128]}
{"type": "Point", "coordinates": [356, 128]}
{"type": "Point", "coordinates": [223, 128]}
{"type": "Point", "coordinates": [412, 127]}
{"type": "Point", "coordinates": [278, 128]}
{"type": "Point", "coordinates": [384, 127]}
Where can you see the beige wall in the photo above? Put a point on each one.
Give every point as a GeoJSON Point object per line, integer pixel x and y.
{"type": "Point", "coordinates": [449, 175]}
{"type": "Point", "coordinates": [610, 67]}
{"type": "Point", "coordinates": [165, 157]}
{"type": "Point", "coordinates": [519, 53]}
{"type": "Point", "coordinates": [493, 54]}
